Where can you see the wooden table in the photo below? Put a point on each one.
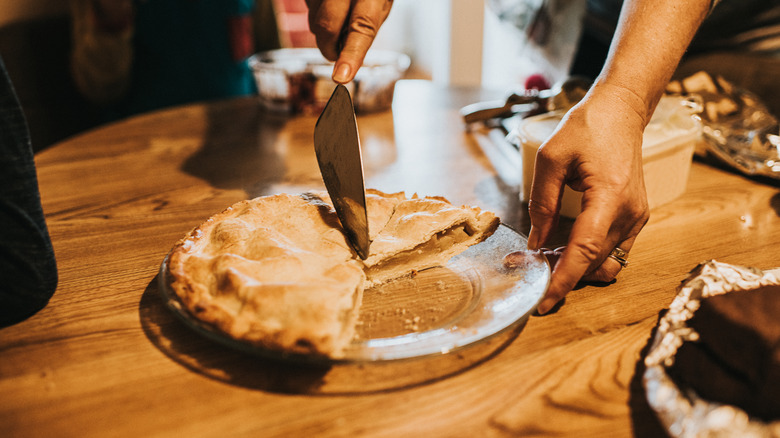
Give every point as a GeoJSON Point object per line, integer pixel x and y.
{"type": "Point", "coordinates": [106, 358]}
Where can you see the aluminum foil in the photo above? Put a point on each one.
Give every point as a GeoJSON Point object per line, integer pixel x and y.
{"type": "Point", "coordinates": [682, 411]}
{"type": "Point", "coordinates": [750, 145]}
{"type": "Point", "coordinates": [737, 127]}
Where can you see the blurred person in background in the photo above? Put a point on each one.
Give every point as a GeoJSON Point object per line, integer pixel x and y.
{"type": "Point", "coordinates": [597, 147]}
{"type": "Point", "coordinates": [739, 40]}
{"type": "Point", "coordinates": [131, 56]}
{"type": "Point", "coordinates": [28, 269]}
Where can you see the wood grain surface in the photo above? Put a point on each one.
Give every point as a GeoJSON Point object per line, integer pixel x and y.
{"type": "Point", "coordinates": [107, 358]}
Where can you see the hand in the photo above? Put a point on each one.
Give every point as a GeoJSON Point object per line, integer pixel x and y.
{"type": "Point", "coordinates": [345, 29]}
{"type": "Point", "coordinates": [597, 150]}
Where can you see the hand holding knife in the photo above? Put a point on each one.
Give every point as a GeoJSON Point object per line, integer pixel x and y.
{"type": "Point", "coordinates": [345, 30]}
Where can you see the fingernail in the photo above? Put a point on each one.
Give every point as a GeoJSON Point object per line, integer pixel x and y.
{"type": "Point", "coordinates": [341, 73]}
{"type": "Point", "coordinates": [533, 239]}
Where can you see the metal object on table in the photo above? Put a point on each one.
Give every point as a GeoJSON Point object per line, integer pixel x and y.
{"type": "Point", "coordinates": [337, 146]}
{"type": "Point", "coordinates": [682, 411]}
{"type": "Point", "coordinates": [562, 96]}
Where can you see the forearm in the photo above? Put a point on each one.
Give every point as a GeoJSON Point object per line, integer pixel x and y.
{"type": "Point", "coordinates": [649, 42]}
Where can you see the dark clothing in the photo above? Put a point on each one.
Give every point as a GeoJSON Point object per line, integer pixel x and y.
{"type": "Point", "coordinates": [162, 53]}
{"type": "Point", "coordinates": [28, 272]}
{"type": "Point", "coordinates": [739, 40]}
{"type": "Point", "coordinates": [738, 25]}
{"type": "Point", "coordinates": [186, 51]}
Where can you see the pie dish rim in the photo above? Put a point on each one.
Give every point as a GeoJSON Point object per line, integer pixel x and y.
{"type": "Point", "coordinates": [361, 351]}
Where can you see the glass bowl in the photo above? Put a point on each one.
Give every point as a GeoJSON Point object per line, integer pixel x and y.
{"type": "Point", "coordinates": [299, 80]}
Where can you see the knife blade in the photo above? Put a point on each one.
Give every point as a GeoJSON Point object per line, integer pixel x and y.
{"type": "Point", "coordinates": [337, 147]}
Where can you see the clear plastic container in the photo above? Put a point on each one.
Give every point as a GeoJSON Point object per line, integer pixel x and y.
{"type": "Point", "coordinates": [667, 150]}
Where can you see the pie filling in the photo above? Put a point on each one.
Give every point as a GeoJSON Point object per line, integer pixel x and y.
{"type": "Point", "coordinates": [435, 251]}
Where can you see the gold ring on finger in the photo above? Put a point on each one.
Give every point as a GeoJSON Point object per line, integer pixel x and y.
{"type": "Point", "coordinates": [619, 255]}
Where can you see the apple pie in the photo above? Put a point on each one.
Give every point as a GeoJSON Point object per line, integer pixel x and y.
{"type": "Point", "coordinates": [277, 271]}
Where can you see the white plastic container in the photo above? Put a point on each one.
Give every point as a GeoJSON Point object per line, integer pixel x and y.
{"type": "Point", "coordinates": [667, 150]}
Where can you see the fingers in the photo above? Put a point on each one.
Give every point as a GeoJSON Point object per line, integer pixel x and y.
{"type": "Point", "coordinates": [366, 19]}
{"type": "Point", "coordinates": [544, 204]}
{"type": "Point", "coordinates": [586, 246]}
{"type": "Point", "coordinates": [610, 267]}
{"type": "Point", "coordinates": [345, 31]}
{"type": "Point", "coordinates": [326, 20]}
{"type": "Point", "coordinates": [586, 260]}
{"type": "Point", "coordinates": [606, 271]}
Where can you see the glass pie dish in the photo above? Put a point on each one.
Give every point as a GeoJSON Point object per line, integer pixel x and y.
{"type": "Point", "coordinates": [472, 299]}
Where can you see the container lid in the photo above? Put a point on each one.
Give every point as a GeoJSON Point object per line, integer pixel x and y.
{"type": "Point", "coordinates": [534, 130]}
{"type": "Point", "coordinates": [672, 123]}
{"type": "Point", "coordinates": [672, 119]}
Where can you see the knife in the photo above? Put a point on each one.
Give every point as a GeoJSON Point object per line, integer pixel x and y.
{"type": "Point", "coordinates": [337, 146]}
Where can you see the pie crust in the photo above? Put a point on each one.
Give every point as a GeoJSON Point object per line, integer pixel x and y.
{"type": "Point", "coordinates": [277, 271]}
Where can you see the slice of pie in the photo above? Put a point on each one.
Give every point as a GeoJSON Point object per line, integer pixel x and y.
{"type": "Point", "coordinates": [277, 271]}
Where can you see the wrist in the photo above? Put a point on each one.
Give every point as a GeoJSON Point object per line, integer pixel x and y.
{"type": "Point", "coordinates": [625, 97]}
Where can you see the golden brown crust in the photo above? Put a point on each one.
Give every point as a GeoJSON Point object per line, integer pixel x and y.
{"type": "Point", "coordinates": [233, 272]}
{"type": "Point", "coordinates": [277, 271]}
